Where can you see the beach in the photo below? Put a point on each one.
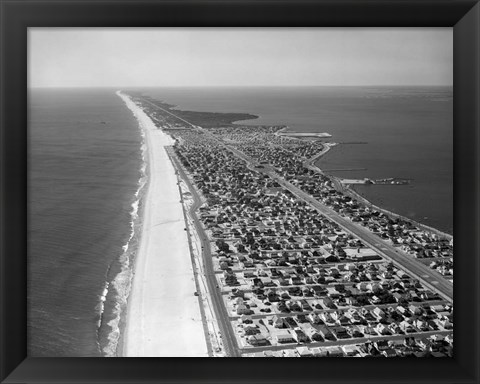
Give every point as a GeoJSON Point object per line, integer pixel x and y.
{"type": "Point", "coordinates": [163, 315]}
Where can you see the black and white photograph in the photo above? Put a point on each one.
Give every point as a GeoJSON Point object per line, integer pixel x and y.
{"type": "Point", "coordinates": [240, 192]}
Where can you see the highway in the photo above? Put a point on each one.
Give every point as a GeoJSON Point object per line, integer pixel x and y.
{"type": "Point", "coordinates": [228, 338]}
{"type": "Point", "coordinates": [423, 273]}
{"type": "Point", "coordinates": [427, 276]}
{"type": "Point", "coordinates": [418, 270]}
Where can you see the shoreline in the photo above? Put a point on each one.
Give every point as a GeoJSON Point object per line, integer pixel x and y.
{"type": "Point", "coordinates": [163, 316]}
{"type": "Point", "coordinates": [421, 226]}
{"type": "Point", "coordinates": [349, 189]}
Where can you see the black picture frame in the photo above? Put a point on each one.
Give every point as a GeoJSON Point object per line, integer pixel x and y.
{"type": "Point", "coordinates": [18, 15]}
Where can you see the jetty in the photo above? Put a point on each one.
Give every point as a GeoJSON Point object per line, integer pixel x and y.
{"type": "Point", "coordinates": [305, 134]}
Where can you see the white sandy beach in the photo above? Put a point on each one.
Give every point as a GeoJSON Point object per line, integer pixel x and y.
{"type": "Point", "coordinates": [163, 316]}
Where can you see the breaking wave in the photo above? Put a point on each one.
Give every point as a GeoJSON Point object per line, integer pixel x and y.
{"type": "Point", "coordinates": [117, 288]}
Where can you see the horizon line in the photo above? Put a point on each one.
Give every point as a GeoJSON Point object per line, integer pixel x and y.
{"type": "Point", "coordinates": [235, 86]}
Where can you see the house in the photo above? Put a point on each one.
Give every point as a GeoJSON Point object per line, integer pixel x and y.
{"type": "Point", "coordinates": [327, 303]}
{"type": "Point", "coordinates": [231, 279]}
{"type": "Point", "coordinates": [319, 352]}
{"type": "Point", "coordinates": [373, 286]}
{"type": "Point", "coordinates": [436, 342]}
{"type": "Point", "coordinates": [331, 259]}
{"type": "Point", "coordinates": [294, 306]}
{"type": "Point", "coordinates": [424, 343]}
{"type": "Point", "coordinates": [249, 274]}
{"type": "Point", "coordinates": [415, 309]}
{"type": "Point", "coordinates": [327, 318]}
{"type": "Point", "coordinates": [354, 317]}
{"type": "Point", "coordinates": [278, 322]}
{"type": "Point", "coordinates": [398, 297]}
{"type": "Point", "coordinates": [402, 310]}
{"type": "Point", "coordinates": [251, 330]}
{"type": "Point", "coordinates": [238, 293]}
{"type": "Point", "coordinates": [340, 332]}
{"type": "Point", "coordinates": [343, 320]}
{"type": "Point", "coordinates": [299, 336]}
{"type": "Point", "coordinates": [305, 306]}
{"type": "Point", "coordinates": [223, 265]}
{"type": "Point", "coordinates": [304, 352]}
{"type": "Point", "coordinates": [295, 280]}
{"type": "Point", "coordinates": [389, 352]}
{"type": "Point", "coordinates": [283, 336]}
{"type": "Point", "coordinates": [242, 309]}
{"type": "Point", "coordinates": [244, 319]}
{"type": "Point", "coordinates": [350, 350]}
{"type": "Point", "coordinates": [382, 345]}
{"type": "Point", "coordinates": [238, 301]}
{"type": "Point", "coordinates": [445, 322]}
{"type": "Point", "coordinates": [325, 333]}
{"type": "Point", "coordinates": [290, 353]}
{"type": "Point", "coordinates": [281, 306]}
{"type": "Point", "coordinates": [395, 329]}
{"type": "Point", "coordinates": [335, 352]}
{"type": "Point", "coordinates": [406, 327]}
{"type": "Point", "coordinates": [313, 318]}
{"type": "Point", "coordinates": [437, 308]}
{"type": "Point", "coordinates": [257, 340]}
{"type": "Point", "coordinates": [363, 286]}
{"type": "Point", "coordinates": [272, 296]}
{"type": "Point", "coordinates": [382, 329]}
{"type": "Point", "coordinates": [378, 313]}
{"type": "Point", "coordinates": [256, 354]}
{"type": "Point", "coordinates": [267, 281]}
{"type": "Point", "coordinates": [421, 325]}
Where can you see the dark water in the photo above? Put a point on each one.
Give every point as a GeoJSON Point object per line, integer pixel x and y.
{"type": "Point", "coordinates": [408, 133]}
{"type": "Point", "coordinates": [82, 181]}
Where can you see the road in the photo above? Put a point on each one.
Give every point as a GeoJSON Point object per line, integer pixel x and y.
{"type": "Point", "coordinates": [341, 342]}
{"type": "Point", "coordinates": [226, 330]}
{"type": "Point", "coordinates": [427, 276]}
{"type": "Point", "coordinates": [418, 270]}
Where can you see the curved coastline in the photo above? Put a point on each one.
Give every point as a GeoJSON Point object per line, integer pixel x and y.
{"type": "Point", "coordinates": [161, 295]}
{"type": "Point", "coordinates": [354, 194]}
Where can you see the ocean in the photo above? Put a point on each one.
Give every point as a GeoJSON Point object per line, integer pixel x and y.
{"type": "Point", "coordinates": [87, 176]}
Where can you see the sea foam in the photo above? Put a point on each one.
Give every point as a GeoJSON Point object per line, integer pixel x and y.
{"type": "Point", "coordinates": [123, 280]}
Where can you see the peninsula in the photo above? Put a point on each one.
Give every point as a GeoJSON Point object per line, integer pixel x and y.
{"type": "Point", "coordinates": [286, 261]}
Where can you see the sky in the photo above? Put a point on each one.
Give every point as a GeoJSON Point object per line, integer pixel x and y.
{"type": "Point", "coordinates": [128, 57]}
